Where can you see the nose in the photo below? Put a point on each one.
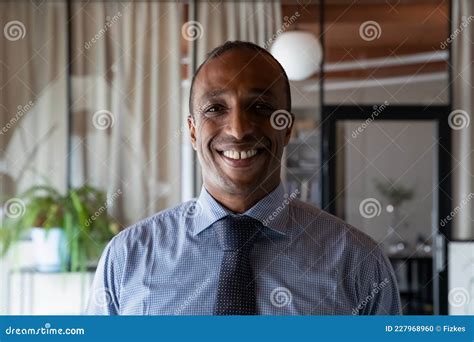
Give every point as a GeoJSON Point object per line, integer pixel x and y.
{"type": "Point", "coordinates": [239, 124]}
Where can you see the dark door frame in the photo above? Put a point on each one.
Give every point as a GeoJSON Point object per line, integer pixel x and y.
{"type": "Point", "coordinates": [437, 114]}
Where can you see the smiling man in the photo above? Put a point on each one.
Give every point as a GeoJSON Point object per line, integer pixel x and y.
{"type": "Point", "coordinates": [244, 246]}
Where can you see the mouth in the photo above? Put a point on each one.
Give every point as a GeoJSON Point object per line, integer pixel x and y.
{"type": "Point", "coordinates": [240, 158]}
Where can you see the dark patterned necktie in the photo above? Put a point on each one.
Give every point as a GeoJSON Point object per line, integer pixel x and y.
{"type": "Point", "coordinates": [236, 290]}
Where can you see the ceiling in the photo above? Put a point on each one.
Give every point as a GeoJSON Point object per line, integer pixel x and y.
{"type": "Point", "coordinates": [402, 28]}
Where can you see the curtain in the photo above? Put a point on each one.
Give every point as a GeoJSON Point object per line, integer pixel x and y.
{"type": "Point", "coordinates": [33, 122]}
{"type": "Point", "coordinates": [127, 104]}
{"type": "Point", "coordinates": [33, 74]}
{"type": "Point", "coordinates": [256, 22]}
{"type": "Point", "coordinates": [126, 101]}
{"type": "Point", "coordinates": [463, 135]}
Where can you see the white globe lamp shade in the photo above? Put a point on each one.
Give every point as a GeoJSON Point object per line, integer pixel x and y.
{"type": "Point", "coordinates": [299, 53]}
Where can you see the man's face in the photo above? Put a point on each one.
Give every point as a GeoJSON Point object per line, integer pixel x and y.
{"type": "Point", "coordinates": [238, 148]}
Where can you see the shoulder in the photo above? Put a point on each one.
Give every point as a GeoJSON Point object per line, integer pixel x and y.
{"type": "Point", "coordinates": [158, 227]}
{"type": "Point", "coordinates": [352, 251]}
{"type": "Point", "coordinates": [334, 232]}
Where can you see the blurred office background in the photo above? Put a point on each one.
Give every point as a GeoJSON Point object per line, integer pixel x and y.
{"type": "Point", "coordinates": [93, 107]}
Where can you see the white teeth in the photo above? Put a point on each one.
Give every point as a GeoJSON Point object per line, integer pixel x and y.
{"type": "Point", "coordinates": [250, 153]}
{"type": "Point", "coordinates": [240, 155]}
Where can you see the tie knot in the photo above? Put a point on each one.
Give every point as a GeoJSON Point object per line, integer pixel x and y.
{"type": "Point", "coordinates": [237, 232]}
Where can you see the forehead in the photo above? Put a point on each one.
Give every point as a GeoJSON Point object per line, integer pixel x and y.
{"type": "Point", "coordinates": [240, 71]}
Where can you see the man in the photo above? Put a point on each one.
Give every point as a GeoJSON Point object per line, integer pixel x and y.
{"type": "Point", "coordinates": [244, 247]}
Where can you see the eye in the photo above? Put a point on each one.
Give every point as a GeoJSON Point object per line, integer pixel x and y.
{"type": "Point", "coordinates": [263, 107]}
{"type": "Point", "coordinates": [214, 109]}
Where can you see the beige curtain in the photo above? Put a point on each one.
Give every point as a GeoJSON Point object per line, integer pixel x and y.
{"type": "Point", "coordinates": [33, 105]}
{"type": "Point", "coordinates": [463, 139]}
{"type": "Point", "coordinates": [126, 101]}
{"type": "Point", "coordinates": [251, 21]}
{"type": "Point", "coordinates": [33, 121]}
{"type": "Point", "coordinates": [128, 104]}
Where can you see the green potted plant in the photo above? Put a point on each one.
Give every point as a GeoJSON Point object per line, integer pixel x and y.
{"type": "Point", "coordinates": [87, 225]}
{"type": "Point", "coordinates": [41, 218]}
{"type": "Point", "coordinates": [396, 195]}
{"type": "Point", "coordinates": [68, 231]}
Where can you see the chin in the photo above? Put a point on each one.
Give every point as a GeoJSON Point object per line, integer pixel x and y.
{"type": "Point", "coordinates": [238, 187]}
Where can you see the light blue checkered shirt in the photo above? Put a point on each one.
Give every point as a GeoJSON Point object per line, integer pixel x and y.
{"type": "Point", "coordinates": [307, 262]}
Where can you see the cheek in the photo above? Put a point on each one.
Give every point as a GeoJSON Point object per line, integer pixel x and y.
{"type": "Point", "coordinates": [205, 132]}
{"type": "Point", "coordinates": [278, 140]}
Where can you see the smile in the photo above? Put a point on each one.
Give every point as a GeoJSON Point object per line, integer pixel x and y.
{"type": "Point", "coordinates": [240, 158]}
{"type": "Point", "coordinates": [239, 155]}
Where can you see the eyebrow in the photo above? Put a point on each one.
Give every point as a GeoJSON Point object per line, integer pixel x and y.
{"type": "Point", "coordinates": [214, 93]}
{"type": "Point", "coordinates": [254, 92]}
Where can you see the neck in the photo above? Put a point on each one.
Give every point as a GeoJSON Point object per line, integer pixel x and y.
{"type": "Point", "coordinates": [240, 202]}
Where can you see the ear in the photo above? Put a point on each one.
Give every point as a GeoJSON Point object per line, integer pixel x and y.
{"type": "Point", "coordinates": [192, 130]}
{"type": "Point", "coordinates": [289, 129]}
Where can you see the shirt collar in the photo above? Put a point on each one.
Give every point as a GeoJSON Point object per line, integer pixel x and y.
{"type": "Point", "coordinates": [272, 210]}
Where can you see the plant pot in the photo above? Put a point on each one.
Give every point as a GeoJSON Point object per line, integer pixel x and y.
{"type": "Point", "coordinates": [49, 247]}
